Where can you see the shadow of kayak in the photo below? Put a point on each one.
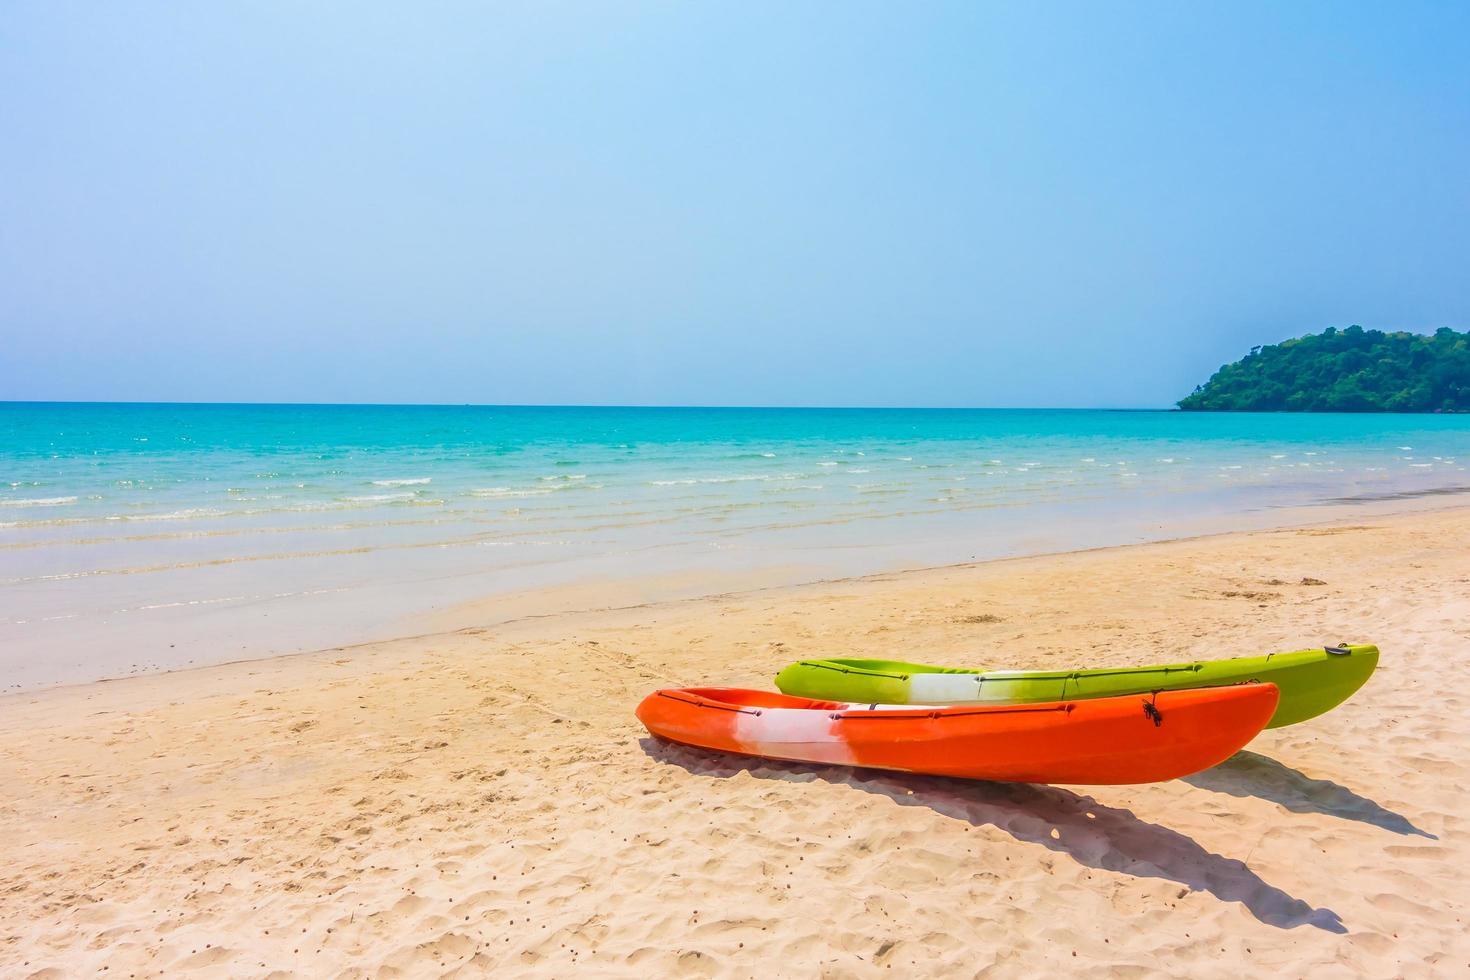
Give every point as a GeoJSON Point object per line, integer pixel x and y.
{"type": "Point", "coordinates": [1096, 836]}
{"type": "Point", "coordinates": [1251, 774]}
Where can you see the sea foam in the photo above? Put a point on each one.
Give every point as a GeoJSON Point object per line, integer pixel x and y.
{"type": "Point", "coordinates": [39, 502]}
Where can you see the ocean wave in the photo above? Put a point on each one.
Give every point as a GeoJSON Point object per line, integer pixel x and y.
{"type": "Point", "coordinates": [740, 478]}
{"type": "Point", "coordinates": [511, 492]}
{"type": "Point", "coordinates": [39, 502]}
{"type": "Point", "coordinates": [413, 481]}
{"type": "Point", "coordinates": [172, 515]}
{"type": "Point", "coordinates": [189, 602]}
{"type": "Point", "coordinates": [380, 498]}
{"type": "Point", "coordinates": [175, 515]}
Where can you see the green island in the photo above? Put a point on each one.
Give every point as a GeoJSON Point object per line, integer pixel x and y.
{"type": "Point", "coordinates": [1352, 370]}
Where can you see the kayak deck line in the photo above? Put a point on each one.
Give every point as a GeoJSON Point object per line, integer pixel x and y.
{"type": "Point", "coordinates": [703, 703]}
{"type": "Point", "coordinates": [874, 712]}
{"type": "Point", "coordinates": [992, 676]}
{"type": "Point", "coordinates": [958, 713]}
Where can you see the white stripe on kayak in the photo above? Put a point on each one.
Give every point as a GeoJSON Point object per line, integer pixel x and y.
{"type": "Point", "coordinates": [786, 733]}
{"type": "Point", "coordinates": [944, 688]}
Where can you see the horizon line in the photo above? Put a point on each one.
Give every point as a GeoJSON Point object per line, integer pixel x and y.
{"type": "Point", "coordinates": [589, 405]}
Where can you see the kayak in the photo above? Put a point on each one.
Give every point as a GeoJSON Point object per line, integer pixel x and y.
{"type": "Point", "coordinates": [1311, 681]}
{"type": "Point", "coordinates": [1103, 741]}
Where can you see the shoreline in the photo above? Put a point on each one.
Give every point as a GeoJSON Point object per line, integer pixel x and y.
{"type": "Point", "coordinates": [483, 798]}
{"type": "Point", "coordinates": [572, 599]}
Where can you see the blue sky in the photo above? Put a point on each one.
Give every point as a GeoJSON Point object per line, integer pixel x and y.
{"type": "Point", "coordinates": [774, 204]}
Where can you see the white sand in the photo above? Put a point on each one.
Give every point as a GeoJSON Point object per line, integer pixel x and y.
{"type": "Point", "coordinates": [484, 799]}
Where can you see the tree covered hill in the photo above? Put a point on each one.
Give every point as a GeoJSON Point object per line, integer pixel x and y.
{"type": "Point", "coordinates": [1352, 370]}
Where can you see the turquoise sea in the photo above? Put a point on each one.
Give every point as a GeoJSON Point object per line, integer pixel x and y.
{"type": "Point", "coordinates": [134, 536]}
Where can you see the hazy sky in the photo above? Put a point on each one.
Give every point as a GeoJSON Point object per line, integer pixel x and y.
{"type": "Point", "coordinates": [775, 204]}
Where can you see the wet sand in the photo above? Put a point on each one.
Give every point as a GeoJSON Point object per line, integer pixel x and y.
{"type": "Point", "coordinates": [482, 798]}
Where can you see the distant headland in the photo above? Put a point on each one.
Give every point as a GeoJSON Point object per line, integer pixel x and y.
{"type": "Point", "coordinates": [1352, 370]}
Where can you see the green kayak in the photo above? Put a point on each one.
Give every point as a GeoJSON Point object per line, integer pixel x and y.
{"type": "Point", "coordinates": [1311, 681]}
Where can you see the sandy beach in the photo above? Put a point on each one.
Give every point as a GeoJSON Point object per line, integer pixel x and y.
{"type": "Point", "coordinates": [393, 399]}
{"type": "Point", "coordinates": [481, 798]}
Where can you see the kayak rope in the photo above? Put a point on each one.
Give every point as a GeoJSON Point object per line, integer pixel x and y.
{"type": "Point", "coordinates": [843, 669]}
{"type": "Point", "coordinates": [1023, 676]}
{"type": "Point", "coordinates": [1122, 671]}
{"type": "Point", "coordinates": [906, 715]}
{"type": "Point", "coordinates": [701, 703]}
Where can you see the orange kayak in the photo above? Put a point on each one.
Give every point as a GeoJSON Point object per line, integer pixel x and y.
{"type": "Point", "coordinates": [1132, 739]}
